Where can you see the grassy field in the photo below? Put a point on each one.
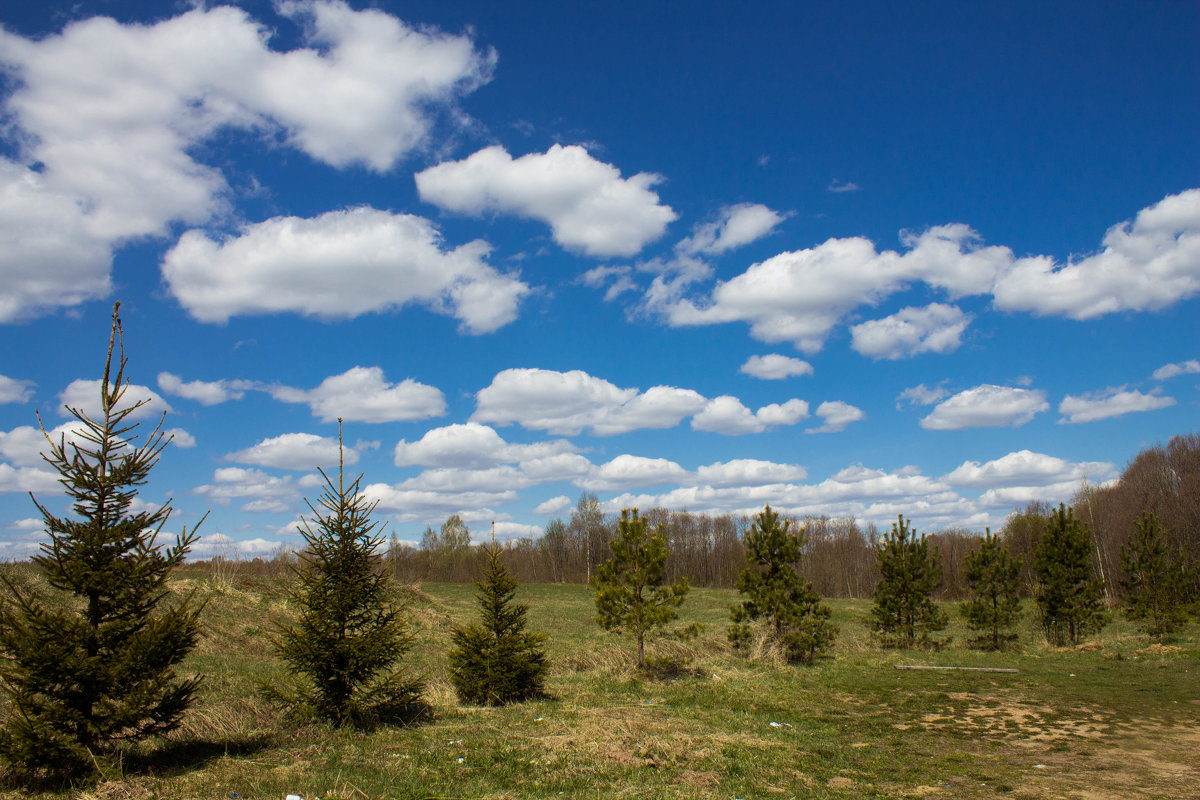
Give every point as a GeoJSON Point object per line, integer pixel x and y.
{"type": "Point", "coordinates": [1119, 717]}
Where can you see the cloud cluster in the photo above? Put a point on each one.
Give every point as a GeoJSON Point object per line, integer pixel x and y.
{"type": "Point", "coordinates": [735, 226]}
{"type": "Point", "coordinates": [589, 207]}
{"type": "Point", "coordinates": [986, 406]}
{"type": "Point", "coordinates": [15, 391]}
{"type": "Point", "coordinates": [936, 328]}
{"type": "Point", "coordinates": [567, 403]}
{"type": "Point", "coordinates": [800, 296]}
{"type": "Point", "coordinates": [339, 265]}
{"type": "Point", "coordinates": [1168, 371]}
{"type": "Point", "coordinates": [84, 395]}
{"type": "Point", "coordinates": [1108, 403]}
{"type": "Point", "coordinates": [299, 451]}
{"type": "Point", "coordinates": [206, 393]}
{"type": "Point", "coordinates": [111, 115]}
{"type": "Point", "coordinates": [362, 394]}
{"type": "Point", "coordinates": [775, 367]}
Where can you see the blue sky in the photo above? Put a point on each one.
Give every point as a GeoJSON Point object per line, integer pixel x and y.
{"type": "Point", "coordinates": [849, 259]}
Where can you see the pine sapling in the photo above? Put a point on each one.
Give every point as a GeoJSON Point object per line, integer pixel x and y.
{"type": "Point", "coordinates": [994, 608]}
{"type": "Point", "coordinates": [796, 618]}
{"type": "Point", "coordinates": [631, 595]}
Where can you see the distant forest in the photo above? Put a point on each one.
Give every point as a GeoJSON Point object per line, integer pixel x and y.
{"type": "Point", "coordinates": [839, 554]}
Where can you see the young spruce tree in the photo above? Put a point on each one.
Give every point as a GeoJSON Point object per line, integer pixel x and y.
{"type": "Point", "coordinates": [1069, 596]}
{"type": "Point", "coordinates": [1155, 581]}
{"type": "Point", "coordinates": [904, 613]}
{"type": "Point", "coordinates": [995, 605]}
{"type": "Point", "coordinates": [797, 619]}
{"type": "Point", "coordinates": [346, 648]}
{"type": "Point", "coordinates": [95, 666]}
{"type": "Point", "coordinates": [496, 661]}
{"type": "Point", "coordinates": [630, 594]}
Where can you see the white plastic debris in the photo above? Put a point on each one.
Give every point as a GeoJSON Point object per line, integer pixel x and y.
{"type": "Point", "coordinates": [293, 797]}
{"type": "Point", "coordinates": [781, 724]}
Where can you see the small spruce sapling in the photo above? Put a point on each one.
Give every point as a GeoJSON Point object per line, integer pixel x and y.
{"type": "Point", "coordinates": [904, 613]}
{"type": "Point", "coordinates": [775, 591]}
{"type": "Point", "coordinates": [345, 650]}
{"type": "Point", "coordinates": [994, 608]}
{"type": "Point", "coordinates": [496, 661]}
{"type": "Point", "coordinates": [630, 593]}
{"type": "Point", "coordinates": [1070, 597]}
{"type": "Point", "coordinates": [96, 664]}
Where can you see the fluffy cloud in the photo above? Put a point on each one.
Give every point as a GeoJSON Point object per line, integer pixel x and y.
{"type": "Point", "coordinates": [427, 506]}
{"type": "Point", "coordinates": [737, 225]}
{"type": "Point", "coordinates": [360, 394]}
{"type": "Point", "coordinates": [1147, 264]}
{"type": "Point", "coordinates": [15, 391]}
{"type": "Point", "coordinates": [774, 367]}
{"type": "Point", "coordinates": [269, 494]}
{"type": "Point", "coordinates": [180, 438]}
{"type": "Point", "coordinates": [208, 393]}
{"type": "Point", "coordinates": [727, 414]}
{"type": "Point", "coordinates": [626, 471]}
{"type": "Point", "coordinates": [48, 257]}
{"type": "Point", "coordinates": [799, 296]}
{"type": "Point", "coordinates": [114, 111]}
{"type": "Point", "coordinates": [987, 406]}
{"type": "Point", "coordinates": [1112, 402]}
{"type": "Point", "coordinates": [1167, 371]}
{"type": "Point", "coordinates": [338, 265]}
{"type": "Point", "coordinates": [113, 114]}
{"type": "Point", "coordinates": [835, 416]}
{"type": "Point", "coordinates": [748, 472]}
{"type": "Point", "coordinates": [555, 505]}
{"type": "Point", "coordinates": [85, 396]}
{"type": "Point", "coordinates": [300, 451]}
{"type": "Point", "coordinates": [568, 402]}
{"type": "Point", "coordinates": [1026, 468]}
{"type": "Point", "coordinates": [472, 445]}
{"type": "Point", "coordinates": [936, 328]}
{"type": "Point", "coordinates": [25, 444]}
{"type": "Point", "coordinates": [587, 204]}
{"type": "Point", "coordinates": [921, 395]}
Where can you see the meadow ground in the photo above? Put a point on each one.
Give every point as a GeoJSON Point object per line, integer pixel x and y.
{"type": "Point", "coordinates": [1118, 717]}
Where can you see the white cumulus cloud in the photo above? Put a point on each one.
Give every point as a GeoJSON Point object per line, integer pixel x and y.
{"type": "Point", "coordinates": [987, 406]}
{"type": "Point", "coordinates": [587, 204]}
{"type": "Point", "coordinates": [1027, 468]}
{"type": "Point", "coordinates": [555, 505]}
{"type": "Point", "coordinates": [800, 296]}
{"type": "Point", "coordinates": [1108, 403]}
{"type": "Point", "coordinates": [774, 367]}
{"type": "Point", "coordinates": [736, 226]}
{"type": "Point", "coordinates": [835, 416]}
{"type": "Point", "coordinates": [1167, 371]}
{"type": "Point", "coordinates": [208, 393]}
{"type": "Point", "coordinates": [472, 445]}
{"type": "Point", "coordinates": [627, 471]}
{"type": "Point", "coordinates": [15, 391]}
{"type": "Point", "coordinates": [362, 394]}
{"type": "Point", "coordinates": [300, 451]}
{"type": "Point", "coordinates": [728, 415]}
{"type": "Point", "coordinates": [936, 328]}
{"type": "Point", "coordinates": [568, 402]}
{"type": "Point", "coordinates": [339, 265]}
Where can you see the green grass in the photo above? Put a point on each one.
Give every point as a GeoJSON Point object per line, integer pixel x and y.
{"type": "Point", "coordinates": [1120, 720]}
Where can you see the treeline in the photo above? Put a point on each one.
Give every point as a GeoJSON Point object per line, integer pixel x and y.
{"type": "Point", "coordinates": [840, 554]}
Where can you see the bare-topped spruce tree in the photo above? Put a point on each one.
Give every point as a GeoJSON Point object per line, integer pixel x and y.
{"type": "Point", "coordinates": [96, 665]}
{"type": "Point", "coordinates": [345, 650]}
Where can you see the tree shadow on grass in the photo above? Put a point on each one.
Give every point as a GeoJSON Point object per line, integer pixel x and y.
{"type": "Point", "coordinates": [174, 757]}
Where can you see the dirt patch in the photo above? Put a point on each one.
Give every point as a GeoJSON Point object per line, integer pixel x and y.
{"type": "Point", "coordinates": [1160, 649]}
{"type": "Point", "coordinates": [840, 783]}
